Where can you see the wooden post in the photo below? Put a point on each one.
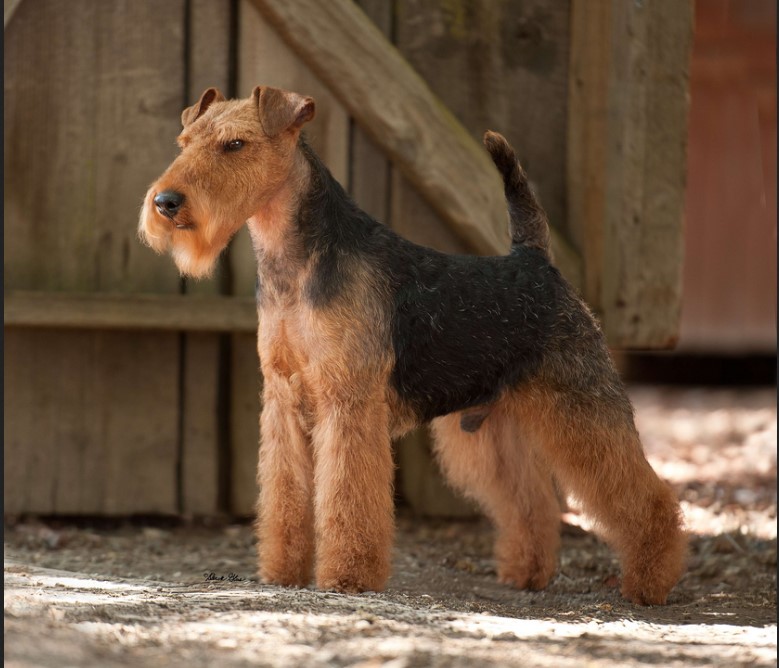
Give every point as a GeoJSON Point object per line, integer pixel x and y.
{"type": "Point", "coordinates": [627, 137]}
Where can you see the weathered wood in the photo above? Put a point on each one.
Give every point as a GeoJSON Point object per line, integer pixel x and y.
{"type": "Point", "coordinates": [97, 435]}
{"type": "Point", "coordinates": [209, 47]}
{"type": "Point", "coordinates": [9, 7]}
{"type": "Point", "coordinates": [730, 214]}
{"type": "Point", "coordinates": [627, 155]}
{"type": "Point", "coordinates": [369, 176]}
{"type": "Point", "coordinates": [116, 311]}
{"type": "Point", "coordinates": [394, 105]}
{"type": "Point", "coordinates": [245, 391]}
{"type": "Point", "coordinates": [501, 66]}
{"type": "Point", "coordinates": [199, 472]}
{"type": "Point", "coordinates": [202, 440]}
{"type": "Point", "coordinates": [588, 119]}
{"type": "Point", "coordinates": [85, 434]}
{"type": "Point", "coordinates": [74, 183]}
{"type": "Point", "coordinates": [369, 169]}
{"type": "Point", "coordinates": [642, 286]}
{"type": "Point", "coordinates": [93, 422]}
{"type": "Point", "coordinates": [413, 218]}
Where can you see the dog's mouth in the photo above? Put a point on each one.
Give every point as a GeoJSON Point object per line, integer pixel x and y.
{"type": "Point", "coordinates": [176, 218]}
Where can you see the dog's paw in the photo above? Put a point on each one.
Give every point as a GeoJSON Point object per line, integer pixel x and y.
{"type": "Point", "coordinates": [284, 578]}
{"type": "Point", "coordinates": [523, 577]}
{"type": "Point", "coordinates": [645, 593]}
{"type": "Point", "coordinates": [648, 575]}
{"type": "Point", "coordinates": [346, 584]}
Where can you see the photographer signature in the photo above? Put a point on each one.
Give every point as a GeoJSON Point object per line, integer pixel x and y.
{"type": "Point", "coordinates": [230, 577]}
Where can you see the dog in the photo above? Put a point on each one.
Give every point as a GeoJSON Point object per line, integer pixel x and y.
{"type": "Point", "coordinates": [364, 335]}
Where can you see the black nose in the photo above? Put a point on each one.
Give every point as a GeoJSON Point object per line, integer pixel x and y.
{"type": "Point", "coordinates": [168, 202]}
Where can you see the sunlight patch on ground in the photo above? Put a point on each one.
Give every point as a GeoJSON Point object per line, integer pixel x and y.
{"type": "Point", "coordinates": [307, 626]}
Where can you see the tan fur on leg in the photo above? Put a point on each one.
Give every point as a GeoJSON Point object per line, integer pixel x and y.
{"type": "Point", "coordinates": [498, 467]}
{"type": "Point", "coordinates": [285, 524]}
{"type": "Point", "coordinates": [597, 456]}
{"type": "Point", "coordinates": [354, 504]}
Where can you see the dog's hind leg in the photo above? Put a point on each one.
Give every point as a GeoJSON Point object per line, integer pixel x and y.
{"type": "Point", "coordinates": [503, 473]}
{"type": "Point", "coordinates": [595, 452]}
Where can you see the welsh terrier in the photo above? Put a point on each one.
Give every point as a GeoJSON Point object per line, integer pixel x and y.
{"type": "Point", "coordinates": [364, 335]}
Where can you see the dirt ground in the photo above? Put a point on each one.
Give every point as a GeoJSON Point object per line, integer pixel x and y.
{"type": "Point", "coordinates": [175, 593]}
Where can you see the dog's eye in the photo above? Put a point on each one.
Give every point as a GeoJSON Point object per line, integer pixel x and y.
{"type": "Point", "coordinates": [234, 145]}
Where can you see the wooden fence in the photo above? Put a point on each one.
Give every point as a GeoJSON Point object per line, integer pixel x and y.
{"type": "Point", "coordinates": [128, 390]}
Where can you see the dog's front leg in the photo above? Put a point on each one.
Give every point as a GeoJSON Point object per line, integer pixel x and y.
{"type": "Point", "coordinates": [285, 526]}
{"type": "Point", "coordinates": [354, 512]}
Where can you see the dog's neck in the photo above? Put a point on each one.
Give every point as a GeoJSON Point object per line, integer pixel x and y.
{"type": "Point", "coordinates": [272, 228]}
{"type": "Point", "coordinates": [307, 230]}
{"type": "Point", "coordinates": [304, 222]}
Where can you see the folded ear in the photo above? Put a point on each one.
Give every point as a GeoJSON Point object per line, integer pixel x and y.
{"type": "Point", "coordinates": [191, 114]}
{"type": "Point", "coordinates": [282, 111]}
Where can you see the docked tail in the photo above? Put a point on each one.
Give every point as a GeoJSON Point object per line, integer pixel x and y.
{"type": "Point", "coordinates": [527, 220]}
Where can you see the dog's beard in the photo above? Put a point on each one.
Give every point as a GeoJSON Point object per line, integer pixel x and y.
{"type": "Point", "coordinates": [196, 249]}
{"type": "Point", "coordinates": [196, 264]}
{"type": "Point", "coordinates": [194, 241]}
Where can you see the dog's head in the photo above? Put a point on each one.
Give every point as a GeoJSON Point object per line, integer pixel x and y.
{"type": "Point", "coordinates": [236, 156]}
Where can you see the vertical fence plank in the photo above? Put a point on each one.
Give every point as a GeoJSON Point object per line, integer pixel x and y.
{"type": "Point", "coordinates": [646, 179]}
{"type": "Point", "coordinates": [588, 118]}
{"type": "Point", "coordinates": [208, 64]}
{"type": "Point", "coordinates": [90, 116]}
{"type": "Point", "coordinates": [85, 440]}
{"type": "Point", "coordinates": [499, 66]}
{"type": "Point", "coordinates": [627, 138]}
{"type": "Point", "coordinates": [369, 168]}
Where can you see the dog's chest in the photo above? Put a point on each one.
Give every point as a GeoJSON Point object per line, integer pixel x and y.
{"type": "Point", "coordinates": [283, 343]}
